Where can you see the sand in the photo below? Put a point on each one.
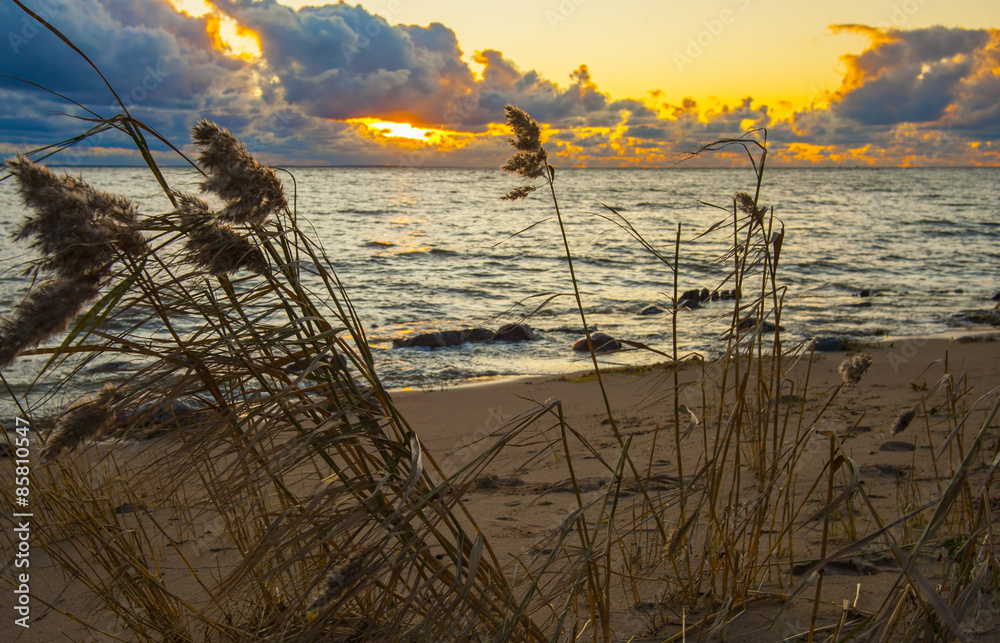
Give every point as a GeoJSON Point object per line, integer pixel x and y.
{"type": "Point", "coordinates": [523, 495]}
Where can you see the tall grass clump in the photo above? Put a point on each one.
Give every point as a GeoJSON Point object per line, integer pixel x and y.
{"type": "Point", "coordinates": [339, 522]}
{"type": "Point", "coordinates": [768, 497]}
{"type": "Point", "coordinates": [246, 476]}
{"type": "Point", "coordinates": [327, 518]}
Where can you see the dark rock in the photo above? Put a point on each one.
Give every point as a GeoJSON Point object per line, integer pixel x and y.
{"type": "Point", "coordinates": [829, 344]}
{"type": "Point", "coordinates": [514, 333]}
{"type": "Point", "coordinates": [450, 338]}
{"type": "Point", "coordinates": [704, 294]}
{"type": "Point", "coordinates": [602, 344]}
{"type": "Point", "coordinates": [690, 304]}
{"type": "Point", "coordinates": [751, 323]}
{"type": "Point", "coordinates": [652, 309]}
{"type": "Point", "coordinates": [865, 292]}
{"type": "Point", "coordinates": [570, 330]}
{"type": "Point", "coordinates": [977, 317]}
{"type": "Point", "coordinates": [691, 294]}
{"type": "Point", "coordinates": [996, 296]}
{"type": "Point", "coordinates": [477, 335]}
{"type": "Point", "coordinates": [440, 339]}
{"type": "Point", "coordinates": [862, 304]}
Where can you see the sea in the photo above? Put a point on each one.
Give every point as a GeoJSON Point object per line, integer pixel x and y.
{"type": "Point", "coordinates": [867, 253]}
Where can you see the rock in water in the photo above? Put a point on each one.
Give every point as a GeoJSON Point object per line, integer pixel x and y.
{"type": "Point", "coordinates": [652, 309]}
{"type": "Point", "coordinates": [694, 294]}
{"type": "Point", "coordinates": [477, 335]}
{"type": "Point", "coordinates": [829, 344]}
{"type": "Point", "coordinates": [750, 323]}
{"type": "Point", "coordinates": [441, 339]}
{"type": "Point", "coordinates": [602, 344]}
{"type": "Point", "coordinates": [449, 338]}
{"type": "Point", "coordinates": [514, 333]}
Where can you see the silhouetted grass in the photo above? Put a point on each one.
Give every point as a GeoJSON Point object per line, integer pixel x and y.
{"type": "Point", "coordinates": [286, 463]}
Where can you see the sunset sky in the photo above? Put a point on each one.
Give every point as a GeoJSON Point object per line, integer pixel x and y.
{"type": "Point", "coordinates": [424, 82]}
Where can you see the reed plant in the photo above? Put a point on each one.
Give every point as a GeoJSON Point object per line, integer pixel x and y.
{"type": "Point", "coordinates": [248, 476]}
{"type": "Point", "coordinates": [737, 523]}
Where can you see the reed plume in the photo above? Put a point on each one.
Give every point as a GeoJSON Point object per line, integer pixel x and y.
{"type": "Point", "coordinates": [89, 417]}
{"type": "Point", "coordinates": [220, 250]}
{"type": "Point", "coordinates": [77, 229]}
{"type": "Point", "coordinates": [339, 580]}
{"type": "Point", "coordinates": [530, 161]}
{"type": "Point", "coordinates": [746, 205]}
{"type": "Point", "coordinates": [854, 368]}
{"type": "Point", "coordinates": [47, 309]}
{"type": "Point", "coordinates": [902, 422]}
{"type": "Point", "coordinates": [252, 192]}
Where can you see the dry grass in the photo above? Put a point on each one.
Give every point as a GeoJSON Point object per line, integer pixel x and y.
{"type": "Point", "coordinates": [337, 524]}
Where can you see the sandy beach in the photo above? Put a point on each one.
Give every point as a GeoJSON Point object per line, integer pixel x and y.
{"type": "Point", "coordinates": [520, 498]}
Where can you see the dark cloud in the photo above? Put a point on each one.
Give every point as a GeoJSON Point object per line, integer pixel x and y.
{"type": "Point", "coordinates": [141, 46]}
{"type": "Point", "coordinates": [324, 64]}
{"type": "Point", "coordinates": [908, 76]}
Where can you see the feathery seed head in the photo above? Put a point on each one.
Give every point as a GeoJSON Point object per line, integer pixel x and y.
{"type": "Point", "coordinates": [854, 368]}
{"type": "Point", "coordinates": [745, 204]}
{"type": "Point", "coordinates": [191, 209]}
{"type": "Point", "coordinates": [530, 160]}
{"type": "Point", "coordinates": [89, 417]}
{"type": "Point", "coordinates": [902, 422]}
{"type": "Point", "coordinates": [526, 131]}
{"type": "Point", "coordinates": [221, 251]}
{"type": "Point", "coordinates": [338, 581]}
{"type": "Point", "coordinates": [252, 192]}
{"type": "Point", "coordinates": [529, 165]}
{"type": "Point", "coordinates": [77, 229]}
{"type": "Point", "coordinates": [46, 310]}
{"type": "Point", "coordinates": [518, 193]}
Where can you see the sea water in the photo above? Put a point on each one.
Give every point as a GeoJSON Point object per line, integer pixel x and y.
{"type": "Point", "coordinates": [425, 249]}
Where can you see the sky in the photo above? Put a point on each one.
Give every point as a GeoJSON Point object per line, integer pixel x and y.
{"type": "Point", "coordinates": [628, 83]}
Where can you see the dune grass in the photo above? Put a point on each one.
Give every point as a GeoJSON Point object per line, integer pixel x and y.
{"type": "Point", "coordinates": [331, 521]}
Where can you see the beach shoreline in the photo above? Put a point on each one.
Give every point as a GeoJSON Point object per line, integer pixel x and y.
{"type": "Point", "coordinates": [959, 335]}
{"type": "Point", "coordinates": [522, 494]}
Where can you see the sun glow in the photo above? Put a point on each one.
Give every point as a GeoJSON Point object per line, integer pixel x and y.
{"type": "Point", "coordinates": [387, 129]}
{"type": "Point", "coordinates": [227, 34]}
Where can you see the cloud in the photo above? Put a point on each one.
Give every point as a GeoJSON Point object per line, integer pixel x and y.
{"type": "Point", "coordinates": [909, 91]}
{"type": "Point", "coordinates": [907, 76]}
